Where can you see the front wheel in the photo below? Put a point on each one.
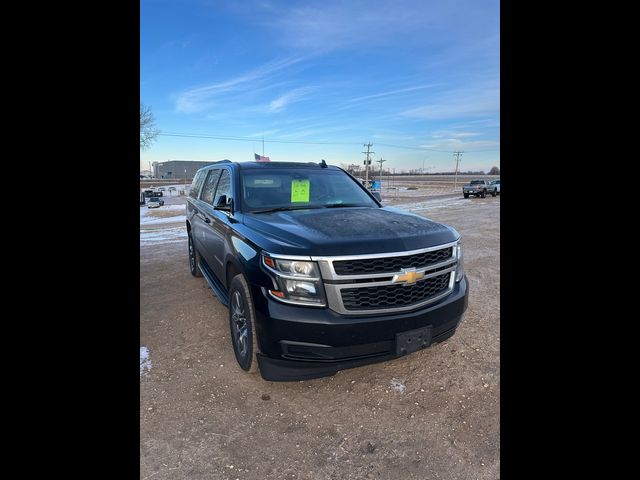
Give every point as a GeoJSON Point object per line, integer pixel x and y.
{"type": "Point", "coordinates": [466, 195]}
{"type": "Point", "coordinates": [194, 259]}
{"type": "Point", "coordinates": [242, 321]}
{"type": "Point", "coordinates": [482, 195]}
{"type": "Point", "coordinates": [493, 194]}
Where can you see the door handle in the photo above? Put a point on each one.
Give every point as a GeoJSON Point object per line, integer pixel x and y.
{"type": "Point", "coordinates": [206, 219]}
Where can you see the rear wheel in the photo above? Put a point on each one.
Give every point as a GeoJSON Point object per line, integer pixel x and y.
{"type": "Point", "coordinates": [194, 259]}
{"type": "Point", "coordinates": [483, 194]}
{"type": "Point", "coordinates": [242, 321]}
{"type": "Point", "coordinates": [493, 194]}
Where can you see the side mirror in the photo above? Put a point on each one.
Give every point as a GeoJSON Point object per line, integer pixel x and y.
{"type": "Point", "coordinates": [377, 196]}
{"type": "Point", "coordinates": [224, 203]}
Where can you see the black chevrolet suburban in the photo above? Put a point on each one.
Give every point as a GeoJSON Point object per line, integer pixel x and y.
{"type": "Point", "coordinates": [317, 275]}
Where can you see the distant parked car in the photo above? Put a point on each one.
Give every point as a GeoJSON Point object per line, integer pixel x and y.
{"type": "Point", "coordinates": [478, 188]}
{"type": "Point", "coordinates": [496, 184]}
{"type": "Point", "coordinates": [155, 202]}
{"type": "Point", "coordinates": [172, 188]}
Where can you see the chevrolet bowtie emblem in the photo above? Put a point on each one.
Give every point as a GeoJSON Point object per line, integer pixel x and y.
{"type": "Point", "coordinates": [409, 277]}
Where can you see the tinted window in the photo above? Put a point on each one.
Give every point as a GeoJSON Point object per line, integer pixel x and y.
{"type": "Point", "coordinates": [224, 186]}
{"type": "Point", "coordinates": [300, 188]}
{"type": "Point", "coordinates": [196, 184]}
{"type": "Point", "coordinates": [477, 182]}
{"type": "Point", "coordinates": [210, 186]}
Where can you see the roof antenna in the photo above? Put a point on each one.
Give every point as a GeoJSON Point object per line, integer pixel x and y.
{"type": "Point", "coordinates": [323, 164]}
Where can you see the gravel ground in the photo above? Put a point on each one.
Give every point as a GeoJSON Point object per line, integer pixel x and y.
{"type": "Point", "coordinates": [433, 414]}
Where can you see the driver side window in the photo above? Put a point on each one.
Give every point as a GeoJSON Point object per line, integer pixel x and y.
{"type": "Point", "coordinates": [224, 186]}
{"type": "Point", "coordinates": [210, 186]}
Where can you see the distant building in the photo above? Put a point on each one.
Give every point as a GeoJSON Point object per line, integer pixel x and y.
{"type": "Point", "coordinates": [177, 169]}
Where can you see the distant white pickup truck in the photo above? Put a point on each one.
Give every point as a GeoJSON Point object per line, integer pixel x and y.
{"type": "Point", "coordinates": [479, 188]}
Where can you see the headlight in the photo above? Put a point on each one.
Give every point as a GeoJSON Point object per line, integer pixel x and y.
{"type": "Point", "coordinates": [460, 267]}
{"type": "Point", "coordinates": [295, 281]}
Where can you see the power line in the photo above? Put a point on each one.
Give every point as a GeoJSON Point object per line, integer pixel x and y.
{"type": "Point", "coordinates": [414, 148]}
{"type": "Point", "coordinates": [252, 139]}
{"type": "Point", "coordinates": [249, 139]}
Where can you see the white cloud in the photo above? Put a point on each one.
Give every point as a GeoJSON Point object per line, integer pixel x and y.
{"type": "Point", "coordinates": [459, 104]}
{"type": "Point", "coordinates": [295, 95]}
{"type": "Point", "coordinates": [197, 99]}
{"type": "Point", "coordinates": [391, 92]}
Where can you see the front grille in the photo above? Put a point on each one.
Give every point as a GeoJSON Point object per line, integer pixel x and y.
{"type": "Point", "coordinates": [391, 264]}
{"type": "Point", "coordinates": [393, 296]}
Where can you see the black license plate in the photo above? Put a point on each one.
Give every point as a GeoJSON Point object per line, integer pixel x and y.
{"type": "Point", "coordinates": [413, 340]}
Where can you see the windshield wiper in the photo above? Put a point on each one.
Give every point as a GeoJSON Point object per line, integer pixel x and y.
{"type": "Point", "coordinates": [282, 209]}
{"type": "Point", "coordinates": [340, 205]}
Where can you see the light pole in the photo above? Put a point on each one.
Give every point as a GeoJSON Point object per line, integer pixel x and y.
{"type": "Point", "coordinates": [423, 160]}
{"type": "Point", "coordinates": [185, 180]}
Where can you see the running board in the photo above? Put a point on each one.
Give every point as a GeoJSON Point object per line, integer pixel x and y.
{"type": "Point", "coordinates": [213, 282]}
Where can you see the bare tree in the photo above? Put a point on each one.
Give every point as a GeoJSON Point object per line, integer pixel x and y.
{"type": "Point", "coordinates": [494, 171]}
{"type": "Point", "coordinates": [148, 132]}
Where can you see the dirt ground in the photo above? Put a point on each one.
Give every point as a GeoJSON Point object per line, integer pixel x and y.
{"type": "Point", "coordinates": [433, 414]}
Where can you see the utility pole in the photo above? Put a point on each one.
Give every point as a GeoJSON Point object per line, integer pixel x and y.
{"type": "Point", "coordinates": [455, 181]}
{"type": "Point", "coordinates": [381, 161]}
{"type": "Point", "coordinates": [367, 162]}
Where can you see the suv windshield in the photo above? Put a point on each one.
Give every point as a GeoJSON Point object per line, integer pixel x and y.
{"type": "Point", "coordinates": [477, 182]}
{"type": "Point", "coordinates": [154, 199]}
{"type": "Point", "coordinates": [291, 189]}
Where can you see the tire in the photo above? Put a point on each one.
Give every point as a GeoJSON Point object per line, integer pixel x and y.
{"type": "Point", "coordinates": [194, 258]}
{"type": "Point", "coordinates": [493, 194]}
{"type": "Point", "coordinates": [483, 194]}
{"type": "Point", "coordinates": [242, 320]}
{"type": "Point", "coordinates": [466, 195]}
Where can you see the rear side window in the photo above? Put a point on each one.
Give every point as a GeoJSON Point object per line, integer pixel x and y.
{"type": "Point", "coordinates": [210, 186]}
{"type": "Point", "coordinates": [224, 186]}
{"type": "Point", "coordinates": [197, 184]}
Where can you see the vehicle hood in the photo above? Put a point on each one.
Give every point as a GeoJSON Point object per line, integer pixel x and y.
{"type": "Point", "coordinates": [344, 231]}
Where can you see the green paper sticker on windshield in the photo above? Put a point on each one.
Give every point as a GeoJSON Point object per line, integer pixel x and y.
{"type": "Point", "coordinates": [300, 191]}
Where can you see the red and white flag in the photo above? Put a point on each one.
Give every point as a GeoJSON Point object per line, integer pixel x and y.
{"type": "Point", "coordinates": [260, 158]}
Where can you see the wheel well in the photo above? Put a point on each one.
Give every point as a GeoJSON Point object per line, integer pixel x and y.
{"type": "Point", "coordinates": [188, 227]}
{"type": "Point", "coordinates": [232, 271]}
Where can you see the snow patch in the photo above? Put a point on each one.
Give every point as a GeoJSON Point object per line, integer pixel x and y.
{"type": "Point", "coordinates": [157, 221]}
{"type": "Point", "coordinates": [431, 204]}
{"type": "Point", "coordinates": [164, 235]}
{"type": "Point", "coordinates": [145, 361]}
{"type": "Point", "coordinates": [397, 385]}
{"type": "Point", "coordinates": [148, 218]}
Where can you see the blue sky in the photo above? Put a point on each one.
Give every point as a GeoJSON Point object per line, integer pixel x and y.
{"type": "Point", "coordinates": [421, 74]}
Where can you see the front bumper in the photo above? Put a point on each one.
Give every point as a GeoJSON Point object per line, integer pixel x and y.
{"type": "Point", "coordinates": [299, 343]}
